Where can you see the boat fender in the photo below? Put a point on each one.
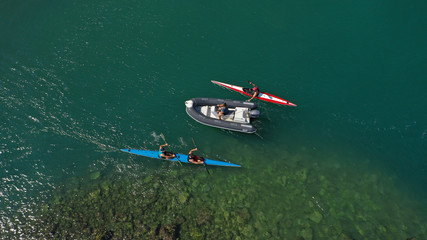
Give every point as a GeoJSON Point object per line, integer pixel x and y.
{"type": "Point", "coordinates": [189, 104]}
{"type": "Point", "coordinates": [254, 113]}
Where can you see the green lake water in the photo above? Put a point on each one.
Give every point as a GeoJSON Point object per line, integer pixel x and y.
{"type": "Point", "coordinates": [81, 79]}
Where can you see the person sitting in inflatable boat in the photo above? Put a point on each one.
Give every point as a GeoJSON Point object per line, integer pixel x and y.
{"type": "Point", "coordinates": [222, 110]}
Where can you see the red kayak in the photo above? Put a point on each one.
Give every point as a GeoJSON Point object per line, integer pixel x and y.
{"type": "Point", "coordinates": [262, 95]}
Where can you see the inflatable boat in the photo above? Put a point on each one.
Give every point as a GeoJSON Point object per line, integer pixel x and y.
{"type": "Point", "coordinates": [238, 118]}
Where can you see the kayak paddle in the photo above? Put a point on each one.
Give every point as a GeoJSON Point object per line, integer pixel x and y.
{"type": "Point", "coordinates": [204, 164]}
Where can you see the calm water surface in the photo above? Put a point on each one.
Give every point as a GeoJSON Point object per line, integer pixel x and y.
{"type": "Point", "coordinates": [80, 80]}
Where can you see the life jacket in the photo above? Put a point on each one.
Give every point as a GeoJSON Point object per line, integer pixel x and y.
{"type": "Point", "coordinates": [161, 150]}
{"type": "Point", "coordinates": [255, 89]}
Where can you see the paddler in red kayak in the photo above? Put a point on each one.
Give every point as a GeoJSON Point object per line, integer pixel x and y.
{"type": "Point", "coordinates": [195, 159]}
{"type": "Point", "coordinates": [255, 91]}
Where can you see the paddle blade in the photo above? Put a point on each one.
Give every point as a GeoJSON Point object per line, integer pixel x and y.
{"type": "Point", "coordinates": [163, 137]}
{"type": "Point", "coordinates": [206, 167]}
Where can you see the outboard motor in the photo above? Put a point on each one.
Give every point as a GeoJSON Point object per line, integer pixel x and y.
{"type": "Point", "coordinates": [254, 114]}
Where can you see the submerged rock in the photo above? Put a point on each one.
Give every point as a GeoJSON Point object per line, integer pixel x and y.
{"type": "Point", "coordinates": [316, 217]}
{"type": "Point", "coordinates": [206, 188]}
{"type": "Point", "coordinates": [105, 187]}
{"type": "Point", "coordinates": [302, 174]}
{"type": "Point", "coordinates": [243, 216]}
{"type": "Point", "coordinates": [204, 216]}
{"type": "Point", "coordinates": [288, 223]}
{"type": "Point", "coordinates": [226, 215]}
{"type": "Point", "coordinates": [247, 231]}
{"type": "Point", "coordinates": [195, 234]}
{"type": "Point", "coordinates": [332, 230]}
{"type": "Point", "coordinates": [94, 194]}
{"type": "Point", "coordinates": [344, 236]}
{"type": "Point", "coordinates": [182, 197]}
{"type": "Point", "coordinates": [95, 175]}
{"type": "Point", "coordinates": [195, 183]}
{"type": "Point", "coordinates": [284, 180]}
{"type": "Point", "coordinates": [307, 233]}
{"type": "Point", "coordinates": [360, 230]}
{"type": "Point", "coordinates": [148, 179]}
{"type": "Point", "coordinates": [168, 232]}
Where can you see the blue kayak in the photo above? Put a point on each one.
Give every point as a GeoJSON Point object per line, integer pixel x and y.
{"type": "Point", "coordinates": [181, 157]}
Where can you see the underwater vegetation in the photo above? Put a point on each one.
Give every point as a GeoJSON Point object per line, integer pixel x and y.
{"type": "Point", "coordinates": [279, 201]}
{"type": "Point", "coordinates": [150, 208]}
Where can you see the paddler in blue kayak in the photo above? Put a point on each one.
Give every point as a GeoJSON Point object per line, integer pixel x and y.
{"type": "Point", "coordinates": [195, 159]}
{"type": "Point", "coordinates": [164, 154]}
{"type": "Point", "coordinates": [254, 90]}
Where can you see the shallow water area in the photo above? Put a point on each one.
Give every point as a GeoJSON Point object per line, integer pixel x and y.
{"type": "Point", "coordinates": [309, 195]}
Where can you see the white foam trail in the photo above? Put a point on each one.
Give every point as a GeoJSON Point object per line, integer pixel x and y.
{"type": "Point", "coordinates": [181, 140]}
